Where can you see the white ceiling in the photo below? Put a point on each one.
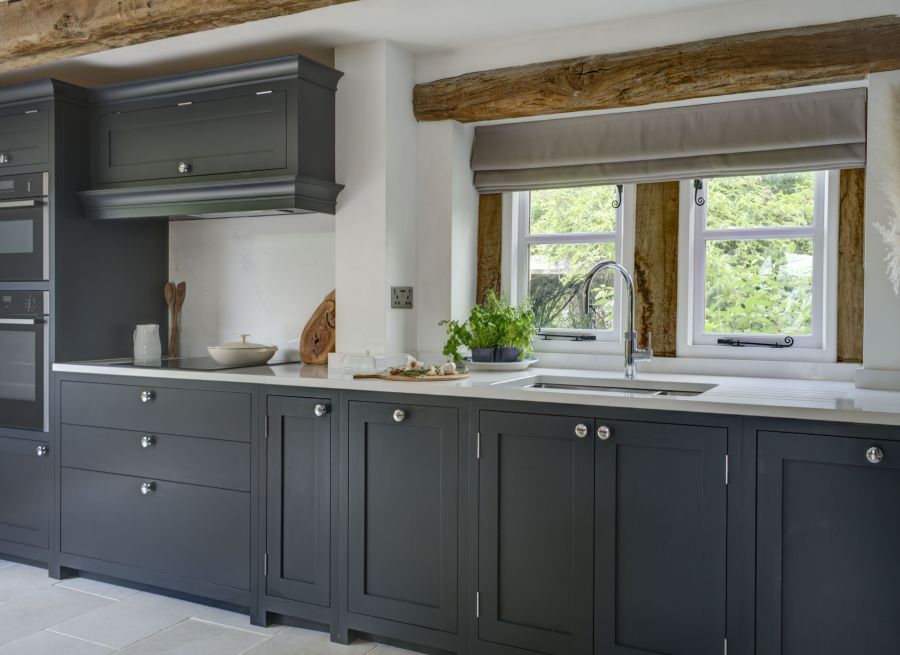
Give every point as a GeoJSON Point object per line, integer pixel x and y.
{"type": "Point", "coordinates": [453, 36]}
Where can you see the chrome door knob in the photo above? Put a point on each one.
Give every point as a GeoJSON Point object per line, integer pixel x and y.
{"type": "Point", "coordinates": [874, 455]}
{"type": "Point", "coordinates": [148, 488]}
{"type": "Point", "coordinates": [604, 433]}
{"type": "Point", "coordinates": [184, 168]}
{"type": "Point", "coordinates": [42, 451]}
{"type": "Point", "coordinates": [399, 415]}
{"type": "Point", "coordinates": [581, 430]}
{"type": "Point", "coordinates": [4, 158]}
{"type": "Point", "coordinates": [321, 410]}
{"type": "Point", "coordinates": [147, 441]}
{"type": "Point", "coordinates": [146, 396]}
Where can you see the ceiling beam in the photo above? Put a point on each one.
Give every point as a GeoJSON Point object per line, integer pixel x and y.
{"type": "Point", "coordinates": [761, 61]}
{"type": "Point", "coordinates": [34, 32]}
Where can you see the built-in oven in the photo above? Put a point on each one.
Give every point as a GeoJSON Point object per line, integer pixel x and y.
{"type": "Point", "coordinates": [24, 360]}
{"type": "Point", "coordinates": [24, 228]}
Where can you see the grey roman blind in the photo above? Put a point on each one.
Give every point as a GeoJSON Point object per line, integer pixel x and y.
{"type": "Point", "coordinates": [807, 131]}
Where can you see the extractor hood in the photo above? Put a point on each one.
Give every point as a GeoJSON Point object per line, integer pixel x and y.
{"type": "Point", "coordinates": [246, 140]}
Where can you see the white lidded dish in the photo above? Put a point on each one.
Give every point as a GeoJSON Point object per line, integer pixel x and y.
{"type": "Point", "coordinates": [242, 353]}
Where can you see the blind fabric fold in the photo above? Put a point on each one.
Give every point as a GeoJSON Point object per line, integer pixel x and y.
{"type": "Point", "coordinates": [809, 131]}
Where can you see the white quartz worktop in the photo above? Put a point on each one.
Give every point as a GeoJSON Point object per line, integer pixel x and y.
{"type": "Point", "coordinates": [747, 396]}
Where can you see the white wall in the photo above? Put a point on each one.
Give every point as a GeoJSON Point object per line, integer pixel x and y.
{"type": "Point", "coordinates": [447, 208]}
{"type": "Point", "coordinates": [376, 220]}
{"type": "Point", "coordinates": [261, 276]}
{"type": "Point", "coordinates": [881, 346]}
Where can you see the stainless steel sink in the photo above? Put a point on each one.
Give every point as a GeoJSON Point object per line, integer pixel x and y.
{"type": "Point", "coordinates": [623, 387]}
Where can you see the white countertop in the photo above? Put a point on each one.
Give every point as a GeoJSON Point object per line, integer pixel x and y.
{"type": "Point", "coordinates": [746, 396]}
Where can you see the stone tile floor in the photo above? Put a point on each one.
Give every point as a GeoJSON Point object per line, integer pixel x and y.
{"type": "Point", "coordinates": [42, 616]}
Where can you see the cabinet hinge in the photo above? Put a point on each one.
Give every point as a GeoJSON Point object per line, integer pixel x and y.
{"type": "Point", "coordinates": [726, 469]}
{"type": "Point", "coordinates": [477, 445]}
{"type": "Point", "coordinates": [477, 605]}
{"type": "Point", "coordinates": [267, 426]}
{"type": "Point", "coordinates": [265, 564]}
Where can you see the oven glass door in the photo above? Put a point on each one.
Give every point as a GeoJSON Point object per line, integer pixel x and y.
{"type": "Point", "coordinates": [23, 241]}
{"type": "Point", "coordinates": [22, 373]}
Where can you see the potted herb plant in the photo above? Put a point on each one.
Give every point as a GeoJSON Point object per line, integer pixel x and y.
{"type": "Point", "coordinates": [494, 331]}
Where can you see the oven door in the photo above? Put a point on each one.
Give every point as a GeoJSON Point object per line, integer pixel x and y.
{"type": "Point", "coordinates": [23, 373]}
{"type": "Point", "coordinates": [24, 252]}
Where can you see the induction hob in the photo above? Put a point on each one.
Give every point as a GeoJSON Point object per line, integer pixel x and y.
{"type": "Point", "coordinates": [191, 364]}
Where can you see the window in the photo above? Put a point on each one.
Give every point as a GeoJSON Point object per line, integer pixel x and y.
{"type": "Point", "coordinates": [559, 235]}
{"type": "Point", "coordinates": [759, 261]}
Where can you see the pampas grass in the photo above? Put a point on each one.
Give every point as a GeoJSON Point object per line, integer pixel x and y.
{"type": "Point", "coordinates": [890, 230]}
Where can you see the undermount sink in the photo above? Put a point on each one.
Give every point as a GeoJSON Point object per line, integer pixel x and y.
{"type": "Point", "coordinates": [624, 387]}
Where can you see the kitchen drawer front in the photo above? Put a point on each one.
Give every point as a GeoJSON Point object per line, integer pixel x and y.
{"type": "Point", "coordinates": [194, 412]}
{"type": "Point", "coordinates": [24, 138]}
{"type": "Point", "coordinates": [212, 137]}
{"type": "Point", "coordinates": [24, 492]}
{"type": "Point", "coordinates": [178, 529]}
{"type": "Point", "coordinates": [208, 462]}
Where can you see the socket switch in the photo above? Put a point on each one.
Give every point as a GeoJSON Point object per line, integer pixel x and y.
{"type": "Point", "coordinates": [401, 297]}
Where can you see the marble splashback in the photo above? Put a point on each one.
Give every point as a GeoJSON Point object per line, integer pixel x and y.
{"type": "Point", "coordinates": [261, 276]}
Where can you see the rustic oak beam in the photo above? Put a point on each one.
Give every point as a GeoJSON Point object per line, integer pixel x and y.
{"type": "Point", "coordinates": [34, 32]}
{"type": "Point", "coordinates": [760, 61]}
{"type": "Point", "coordinates": [851, 270]}
{"type": "Point", "coordinates": [656, 264]}
{"type": "Point", "coordinates": [490, 231]}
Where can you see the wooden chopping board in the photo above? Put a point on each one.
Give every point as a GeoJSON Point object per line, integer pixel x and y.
{"type": "Point", "coordinates": [406, 378]}
{"type": "Point", "coordinates": [318, 336]}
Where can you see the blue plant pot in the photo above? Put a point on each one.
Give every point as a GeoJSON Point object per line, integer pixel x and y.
{"type": "Point", "coordinates": [483, 354]}
{"type": "Point", "coordinates": [508, 354]}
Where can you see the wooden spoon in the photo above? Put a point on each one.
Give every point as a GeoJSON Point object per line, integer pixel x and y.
{"type": "Point", "coordinates": [180, 292]}
{"type": "Point", "coordinates": [169, 292]}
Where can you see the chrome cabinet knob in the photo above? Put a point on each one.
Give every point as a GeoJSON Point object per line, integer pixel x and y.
{"type": "Point", "coordinates": [321, 409]}
{"type": "Point", "coordinates": [42, 451]}
{"type": "Point", "coordinates": [4, 158]}
{"type": "Point", "coordinates": [146, 396]}
{"type": "Point", "coordinates": [148, 488]}
{"type": "Point", "coordinates": [604, 433]}
{"type": "Point", "coordinates": [184, 168]}
{"type": "Point", "coordinates": [147, 441]}
{"type": "Point", "coordinates": [399, 415]}
{"type": "Point", "coordinates": [581, 430]}
{"type": "Point", "coordinates": [874, 455]}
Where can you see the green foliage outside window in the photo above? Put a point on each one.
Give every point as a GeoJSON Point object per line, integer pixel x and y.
{"type": "Point", "coordinates": [760, 286]}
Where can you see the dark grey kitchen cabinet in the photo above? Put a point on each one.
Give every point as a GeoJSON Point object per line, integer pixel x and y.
{"type": "Point", "coordinates": [403, 514]}
{"type": "Point", "coordinates": [183, 138]}
{"type": "Point", "coordinates": [535, 534]}
{"type": "Point", "coordinates": [828, 535]}
{"type": "Point", "coordinates": [24, 136]}
{"type": "Point", "coordinates": [660, 538]}
{"type": "Point", "coordinates": [169, 528]}
{"type": "Point", "coordinates": [298, 499]}
{"type": "Point", "coordinates": [25, 491]}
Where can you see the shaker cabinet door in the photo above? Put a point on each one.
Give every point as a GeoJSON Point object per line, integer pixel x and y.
{"type": "Point", "coordinates": [24, 492]}
{"type": "Point", "coordinates": [404, 513]}
{"type": "Point", "coordinates": [535, 534]}
{"type": "Point", "coordinates": [828, 538]}
{"type": "Point", "coordinates": [660, 539]}
{"type": "Point", "coordinates": [299, 499]}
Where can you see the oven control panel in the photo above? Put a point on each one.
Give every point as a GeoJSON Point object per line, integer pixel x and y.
{"type": "Point", "coordinates": [28, 185]}
{"type": "Point", "coordinates": [22, 303]}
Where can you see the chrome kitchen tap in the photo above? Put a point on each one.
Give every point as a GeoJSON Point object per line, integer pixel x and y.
{"type": "Point", "coordinates": [632, 352]}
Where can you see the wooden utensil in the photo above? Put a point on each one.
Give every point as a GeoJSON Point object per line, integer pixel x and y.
{"type": "Point", "coordinates": [180, 293]}
{"type": "Point", "coordinates": [169, 292]}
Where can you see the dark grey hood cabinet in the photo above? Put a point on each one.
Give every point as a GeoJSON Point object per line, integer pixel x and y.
{"type": "Point", "coordinates": [249, 139]}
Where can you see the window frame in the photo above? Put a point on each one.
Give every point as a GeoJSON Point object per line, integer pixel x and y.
{"type": "Point", "coordinates": [693, 340]}
{"type": "Point", "coordinates": [517, 242]}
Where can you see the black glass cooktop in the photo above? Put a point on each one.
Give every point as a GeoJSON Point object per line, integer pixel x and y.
{"type": "Point", "coordinates": [190, 364]}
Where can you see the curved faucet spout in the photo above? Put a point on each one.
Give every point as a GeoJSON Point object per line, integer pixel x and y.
{"type": "Point", "coordinates": [632, 352]}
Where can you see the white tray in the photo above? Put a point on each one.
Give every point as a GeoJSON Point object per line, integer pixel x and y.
{"type": "Point", "coordinates": [518, 365]}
